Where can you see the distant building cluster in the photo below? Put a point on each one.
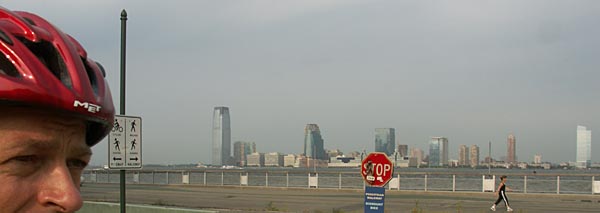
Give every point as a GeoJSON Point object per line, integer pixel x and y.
{"type": "Point", "coordinates": [314, 155]}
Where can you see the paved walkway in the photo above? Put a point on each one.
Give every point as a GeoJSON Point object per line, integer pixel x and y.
{"type": "Point", "coordinates": [248, 199]}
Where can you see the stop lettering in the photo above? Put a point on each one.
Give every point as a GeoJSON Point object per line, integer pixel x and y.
{"type": "Point", "coordinates": [377, 169]}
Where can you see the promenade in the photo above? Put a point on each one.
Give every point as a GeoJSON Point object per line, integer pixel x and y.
{"type": "Point", "coordinates": [259, 199]}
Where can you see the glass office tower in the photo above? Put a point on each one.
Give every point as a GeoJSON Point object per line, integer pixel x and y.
{"type": "Point", "coordinates": [313, 143]}
{"type": "Point", "coordinates": [385, 140]}
{"type": "Point", "coordinates": [221, 137]}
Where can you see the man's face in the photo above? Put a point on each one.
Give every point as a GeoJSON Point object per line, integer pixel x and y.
{"type": "Point", "coordinates": [42, 157]}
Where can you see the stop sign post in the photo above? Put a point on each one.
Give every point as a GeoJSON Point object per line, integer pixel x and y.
{"type": "Point", "coordinates": [377, 169]}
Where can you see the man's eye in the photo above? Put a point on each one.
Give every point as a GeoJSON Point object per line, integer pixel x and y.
{"type": "Point", "coordinates": [76, 164]}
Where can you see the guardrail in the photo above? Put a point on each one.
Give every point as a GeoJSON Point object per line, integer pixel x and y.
{"type": "Point", "coordinates": [416, 181]}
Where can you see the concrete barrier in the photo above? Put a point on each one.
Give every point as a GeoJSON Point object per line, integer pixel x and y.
{"type": "Point", "coordinates": [99, 207]}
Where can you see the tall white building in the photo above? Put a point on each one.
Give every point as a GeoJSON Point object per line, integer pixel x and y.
{"type": "Point", "coordinates": [537, 159]}
{"type": "Point", "coordinates": [463, 156]}
{"type": "Point", "coordinates": [221, 137]}
{"type": "Point", "coordinates": [584, 147]}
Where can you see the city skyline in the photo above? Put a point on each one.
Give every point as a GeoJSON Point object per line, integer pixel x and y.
{"type": "Point", "coordinates": [471, 71]}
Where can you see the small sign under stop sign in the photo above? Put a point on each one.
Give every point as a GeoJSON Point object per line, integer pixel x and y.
{"type": "Point", "coordinates": [377, 169]}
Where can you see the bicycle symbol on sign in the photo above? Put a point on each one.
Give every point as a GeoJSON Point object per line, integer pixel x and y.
{"type": "Point", "coordinates": [117, 127]}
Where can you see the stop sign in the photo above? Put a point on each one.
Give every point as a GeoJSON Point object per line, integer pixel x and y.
{"type": "Point", "coordinates": [377, 169]}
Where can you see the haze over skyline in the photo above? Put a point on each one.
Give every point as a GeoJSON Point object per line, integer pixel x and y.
{"type": "Point", "coordinates": [472, 71]}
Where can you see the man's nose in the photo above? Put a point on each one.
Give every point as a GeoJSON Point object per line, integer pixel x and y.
{"type": "Point", "coordinates": [59, 191]}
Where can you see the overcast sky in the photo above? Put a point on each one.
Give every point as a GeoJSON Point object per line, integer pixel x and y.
{"type": "Point", "coordinates": [471, 71]}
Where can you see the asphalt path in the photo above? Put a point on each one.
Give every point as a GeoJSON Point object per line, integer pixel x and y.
{"type": "Point", "coordinates": [259, 199]}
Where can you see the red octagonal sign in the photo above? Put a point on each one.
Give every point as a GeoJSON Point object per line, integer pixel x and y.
{"type": "Point", "coordinates": [377, 169]}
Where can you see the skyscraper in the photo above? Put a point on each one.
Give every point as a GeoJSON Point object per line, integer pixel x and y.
{"type": "Point", "coordinates": [463, 155]}
{"type": "Point", "coordinates": [221, 137]}
{"type": "Point", "coordinates": [474, 155]}
{"type": "Point", "coordinates": [418, 154]}
{"type": "Point", "coordinates": [438, 151]}
{"type": "Point", "coordinates": [241, 150]}
{"type": "Point", "coordinates": [584, 147]}
{"type": "Point", "coordinates": [313, 143]}
{"type": "Point", "coordinates": [537, 159]}
{"type": "Point", "coordinates": [385, 140]}
{"type": "Point", "coordinates": [403, 150]}
{"type": "Point", "coordinates": [511, 156]}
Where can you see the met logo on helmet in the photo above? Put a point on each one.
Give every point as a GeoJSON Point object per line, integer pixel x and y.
{"type": "Point", "coordinates": [93, 108]}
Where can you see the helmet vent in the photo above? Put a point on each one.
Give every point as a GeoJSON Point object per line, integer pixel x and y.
{"type": "Point", "coordinates": [5, 38]}
{"type": "Point", "coordinates": [91, 76]}
{"type": "Point", "coordinates": [49, 56]}
{"type": "Point", "coordinates": [29, 21]}
{"type": "Point", "coordinates": [7, 68]}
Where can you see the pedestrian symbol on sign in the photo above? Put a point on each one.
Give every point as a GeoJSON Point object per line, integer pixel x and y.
{"type": "Point", "coordinates": [133, 126]}
{"type": "Point", "coordinates": [116, 143]}
{"type": "Point", "coordinates": [133, 144]}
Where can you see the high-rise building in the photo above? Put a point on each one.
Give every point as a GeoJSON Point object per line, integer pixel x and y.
{"type": "Point", "coordinates": [403, 150]}
{"type": "Point", "coordinates": [418, 154]}
{"type": "Point", "coordinates": [438, 151]}
{"type": "Point", "coordinates": [474, 155]}
{"type": "Point", "coordinates": [313, 143]}
{"type": "Point", "coordinates": [241, 150]}
{"type": "Point", "coordinates": [463, 156]}
{"type": "Point", "coordinates": [274, 159]}
{"type": "Point", "coordinates": [221, 137]}
{"type": "Point", "coordinates": [256, 159]}
{"type": "Point", "coordinates": [511, 156]}
{"type": "Point", "coordinates": [385, 140]}
{"type": "Point", "coordinates": [537, 159]}
{"type": "Point", "coordinates": [584, 147]}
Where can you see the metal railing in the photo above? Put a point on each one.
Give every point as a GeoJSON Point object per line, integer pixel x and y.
{"type": "Point", "coordinates": [416, 181]}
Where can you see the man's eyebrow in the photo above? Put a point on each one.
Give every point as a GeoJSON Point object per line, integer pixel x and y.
{"type": "Point", "coordinates": [81, 151]}
{"type": "Point", "coordinates": [35, 143]}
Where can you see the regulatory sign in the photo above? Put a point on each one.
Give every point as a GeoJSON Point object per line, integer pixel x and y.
{"type": "Point", "coordinates": [125, 143]}
{"type": "Point", "coordinates": [377, 169]}
{"type": "Point", "coordinates": [374, 199]}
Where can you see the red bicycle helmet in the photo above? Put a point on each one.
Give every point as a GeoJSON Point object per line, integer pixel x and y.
{"type": "Point", "coordinates": [43, 67]}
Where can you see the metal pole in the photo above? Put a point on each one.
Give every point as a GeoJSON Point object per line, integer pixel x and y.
{"type": "Point", "coordinates": [123, 36]}
{"type": "Point", "coordinates": [453, 183]}
{"type": "Point", "coordinates": [489, 157]}
{"type": "Point", "coordinates": [398, 181]}
{"type": "Point", "coordinates": [425, 182]}
{"type": "Point", "coordinates": [557, 184]}
{"type": "Point", "coordinates": [266, 179]}
{"type": "Point", "coordinates": [483, 183]}
{"type": "Point", "coordinates": [525, 184]}
{"type": "Point", "coordinates": [593, 179]}
{"type": "Point", "coordinates": [340, 180]}
{"type": "Point", "coordinates": [287, 179]}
